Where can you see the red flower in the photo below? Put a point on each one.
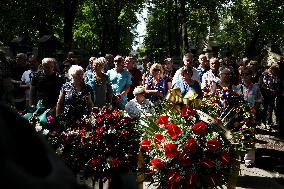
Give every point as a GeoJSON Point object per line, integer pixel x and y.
{"type": "Point", "coordinates": [206, 162]}
{"type": "Point", "coordinates": [174, 131]}
{"type": "Point", "coordinates": [107, 116]}
{"type": "Point", "coordinates": [191, 145]}
{"type": "Point", "coordinates": [157, 163]}
{"type": "Point", "coordinates": [99, 119]}
{"type": "Point", "coordinates": [150, 172]}
{"type": "Point", "coordinates": [225, 157]}
{"type": "Point", "coordinates": [124, 133]}
{"type": "Point", "coordinates": [159, 139]}
{"type": "Point", "coordinates": [173, 176]}
{"type": "Point", "coordinates": [95, 162]}
{"type": "Point", "coordinates": [187, 112]}
{"type": "Point", "coordinates": [199, 128]}
{"type": "Point", "coordinates": [211, 179]}
{"type": "Point", "coordinates": [145, 145]}
{"type": "Point", "coordinates": [212, 145]}
{"type": "Point", "coordinates": [171, 150]}
{"type": "Point", "coordinates": [115, 163]}
{"type": "Point", "coordinates": [184, 161]}
{"type": "Point", "coordinates": [191, 178]}
{"type": "Point", "coordinates": [163, 121]}
{"type": "Point", "coordinates": [100, 130]}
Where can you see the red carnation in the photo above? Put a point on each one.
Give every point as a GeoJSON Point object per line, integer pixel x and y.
{"type": "Point", "coordinates": [191, 146]}
{"type": "Point", "coordinates": [157, 163]}
{"type": "Point", "coordinates": [212, 145]}
{"type": "Point", "coordinates": [191, 178]}
{"type": "Point", "coordinates": [206, 162]}
{"type": "Point", "coordinates": [163, 121]}
{"type": "Point", "coordinates": [171, 150]}
{"type": "Point", "coordinates": [159, 139]}
{"type": "Point", "coordinates": [174, 131]}
{"type": "Point", "coordinates": [199, 128]}
{"type": "Point", "coordinates": [145, 145]}
{"type": "Point", "coordinates": [225, 157]}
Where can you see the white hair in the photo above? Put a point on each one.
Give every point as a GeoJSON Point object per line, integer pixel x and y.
{"type": "Point", "coordinates": [46, 60]}
{"type": "Point", "coordinates": [72, 71]}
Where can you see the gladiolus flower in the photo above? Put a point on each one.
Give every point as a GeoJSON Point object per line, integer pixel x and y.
{"type": "Point", "coordinates": [157, 163]}
{"type": "Point", "coordinates": [163, 121]}
{"type": "Point", "coordinates": [199, 128]}
{"type": "Point", "coordinates": [174, 131]}
{"type": "Point", "coordinates": [145, 145]}
{"type": "Point", "coordinates": [171, 150]}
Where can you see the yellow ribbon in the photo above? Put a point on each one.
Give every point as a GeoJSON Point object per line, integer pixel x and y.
{"type": "Point", "coordinates": [174, 96]}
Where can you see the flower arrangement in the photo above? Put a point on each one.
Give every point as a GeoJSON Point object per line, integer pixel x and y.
{"type": "Point", "coordinates": [100, 143]}
{"type": "Point", "coordinates": [182, 151]}
{"type": "Point", "coordinates": [228, 108]}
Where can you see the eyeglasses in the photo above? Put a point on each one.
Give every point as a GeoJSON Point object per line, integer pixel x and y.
{"type": "Point", "coordinates": [156, 70]}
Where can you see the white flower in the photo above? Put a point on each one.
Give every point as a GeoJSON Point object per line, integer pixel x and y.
{"type": "Point", "coordinates": [38, 127]}
{"type": "Point", "coordinates": [45, 131]}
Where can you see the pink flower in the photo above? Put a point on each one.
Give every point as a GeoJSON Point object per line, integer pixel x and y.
{"type": "Point", "coordinates": [50, 119]}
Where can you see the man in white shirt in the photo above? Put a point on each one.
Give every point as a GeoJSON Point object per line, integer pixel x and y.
{"type": "Point", "coordinates": [211, 77]}
{"type": "Point", "coordinates": [187, 61]}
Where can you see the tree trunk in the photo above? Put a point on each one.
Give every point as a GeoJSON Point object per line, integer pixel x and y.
{"type": "Point", "coordinates": [70, 9]}
{"type": "Point", "coordinates": [176, 27]}
{"type": "Point", "coordinates": [185, 44]}
{"type": "Point", "coordinates": [169, 25]}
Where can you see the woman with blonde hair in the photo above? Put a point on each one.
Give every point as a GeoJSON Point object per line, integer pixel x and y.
{"type": "Point", "coordinates": [74, 99]}
{"type": "Point", "coordinates": [156, 86]}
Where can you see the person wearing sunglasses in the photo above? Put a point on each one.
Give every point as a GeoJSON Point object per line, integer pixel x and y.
{"type": "Point", "coordinates": [155, 84]}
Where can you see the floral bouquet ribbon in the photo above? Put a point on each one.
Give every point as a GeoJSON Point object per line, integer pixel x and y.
{"type": "Point", "coordinates": [175, 96]}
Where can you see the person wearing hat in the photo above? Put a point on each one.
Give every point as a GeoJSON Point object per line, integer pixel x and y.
{"type": "Point", "coordinates": [139, 104]}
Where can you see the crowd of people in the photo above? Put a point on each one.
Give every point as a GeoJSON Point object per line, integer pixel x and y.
{"type": "Point", "coordinates": [70, 90]}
